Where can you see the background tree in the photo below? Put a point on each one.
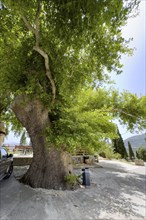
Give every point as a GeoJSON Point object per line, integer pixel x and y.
{"type": "Point", "coordinates": [131, 153]}
{"type": "Point", "coordinates": [23, 139]}
{"type": "Point", "coordinates": [141, 153]}
{"type": "Point", "coordinates": [118, 146]}
{"type": "Point", "coordinates": [56, 49]}
{"type": "Point", "coordinates": [137, 156]}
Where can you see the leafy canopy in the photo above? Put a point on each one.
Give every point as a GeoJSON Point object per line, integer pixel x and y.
{"type": "Point", "coordinates": [80, 37]}
{"type": "Point", "coordinates": [61, 50]}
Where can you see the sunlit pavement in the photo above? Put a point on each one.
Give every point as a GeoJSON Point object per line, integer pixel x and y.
{"type": "Point", "coordinates": [117, 191]}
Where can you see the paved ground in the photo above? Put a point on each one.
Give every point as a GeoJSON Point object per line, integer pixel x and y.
{"type": "Point", "coordinates": [117, 192]}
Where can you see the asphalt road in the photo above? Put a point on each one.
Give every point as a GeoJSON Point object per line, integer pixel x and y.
{"type": "Point", "coordinates": [117, 192]}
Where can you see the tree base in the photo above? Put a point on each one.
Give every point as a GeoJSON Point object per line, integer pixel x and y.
{"type": "Point", "coordinates": [49, 172]}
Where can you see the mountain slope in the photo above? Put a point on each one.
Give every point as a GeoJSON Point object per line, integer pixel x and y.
{"type": "Point", "coordinates": [136, 141]}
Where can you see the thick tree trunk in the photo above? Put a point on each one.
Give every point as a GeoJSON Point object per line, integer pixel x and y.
{"type": "Point", "coordinates": [49, 165]}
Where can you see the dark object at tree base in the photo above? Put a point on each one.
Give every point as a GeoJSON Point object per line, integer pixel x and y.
{"type": "Point", "coordinates": [86, 177]}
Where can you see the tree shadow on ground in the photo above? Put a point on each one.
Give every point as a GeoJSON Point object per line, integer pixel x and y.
{"type": "Point", "coordinates": [116, 193]}
{"type": "Point", "coordinates": [113, 194]}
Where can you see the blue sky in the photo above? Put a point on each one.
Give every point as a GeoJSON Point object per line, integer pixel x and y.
{"type": "Point", "coordinates": [133, 77]}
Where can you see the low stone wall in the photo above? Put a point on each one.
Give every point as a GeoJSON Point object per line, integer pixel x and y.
{"type": "Point", "coordinates": [77, 159]}
{"type": "Point", "coordinates": [83, 159]}
{"type": "Point", "coordinates": [22, 161]}
{"type": "Point", "coordinates": [139, 162]}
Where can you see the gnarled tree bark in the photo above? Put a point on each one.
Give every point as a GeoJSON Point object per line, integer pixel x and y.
{"type": "Point", "coordinates": [49, 165]}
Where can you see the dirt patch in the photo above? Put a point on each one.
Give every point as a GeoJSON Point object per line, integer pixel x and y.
{"type": "Point", "coordinates": [19, 171]}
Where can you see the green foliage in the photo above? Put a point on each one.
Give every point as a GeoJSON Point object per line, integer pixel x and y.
{"type": "Point", "coordinates": [137, 155]}
{"type": "Point", "coordinates": [127, 107]}
{"type": "Point", "coordinates": [131, 153]}
{"type": "Point", "coordinates": [102, 154]}
{"type": "Point", "coordinates": [83, 41]}
{"type": "Point", "coordinates": [71, 180]}
{"type": "Point", "coordinates": [78, 126]}
{"type": "Point", "coordinates": [119, 147]}
{"type": "Point", "coordinates": [117, 156]}
{"type": "Point", "coordinates": [81, 38]}
{"type": "Point", "coordinates": [132, 110]}
{"type": "Point", "coordinates": [107, 152]}
{"type": "Point", "coordinates": [141, 153]}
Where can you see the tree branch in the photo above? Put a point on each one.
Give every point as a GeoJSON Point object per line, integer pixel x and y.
{"type": "Point", "coordinates": [28, 25]}
{"type": "Point", "coordinates": [35, 31]}
{"type": "Point", "coordinates": [36, 22]}
{"type": "Point", "coordinates": [118, 110]}
{"type": "Point", "coordinates": [48, 72]}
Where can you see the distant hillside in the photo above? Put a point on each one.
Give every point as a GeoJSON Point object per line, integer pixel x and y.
{"type": "Point", "coordinates": [136, 141]}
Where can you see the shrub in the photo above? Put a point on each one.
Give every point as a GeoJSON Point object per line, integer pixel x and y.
{"type": "Point", "coordinates": [102, 154]}
{"type": "Point", "coordinates": [141, 153]}
{"type": "Point", "coordinates": [117, 156]}
{"type": "Point", "coordinates": [72, 180]}
{"type": "Point", "coordinates": [107, 153]}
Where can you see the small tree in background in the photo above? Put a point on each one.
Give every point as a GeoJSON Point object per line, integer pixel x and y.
{"type": "Point", "coordinates": [119, 147]}
{"type": "Point", "coordinates": [141, 153]}
{"type": "Point", "coordinates": [23, 139]}
{"type": "Point", "coordinates": [131, 153]}
{"type": "Point", "coordinates": [137, 155]}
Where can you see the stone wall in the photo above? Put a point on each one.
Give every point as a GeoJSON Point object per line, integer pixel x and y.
{"type": "Point", "coordinates": [83, 159]}
{"type": "Point", "coordinates": [22, 161]}
{"type": "Point", "coordinates": [77, 159]}
{"type": "Point", "coordinates": [139, 162]}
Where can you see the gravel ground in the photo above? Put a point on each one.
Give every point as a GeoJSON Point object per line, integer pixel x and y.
{"type": "Point", "coordinates": [117, 192]}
